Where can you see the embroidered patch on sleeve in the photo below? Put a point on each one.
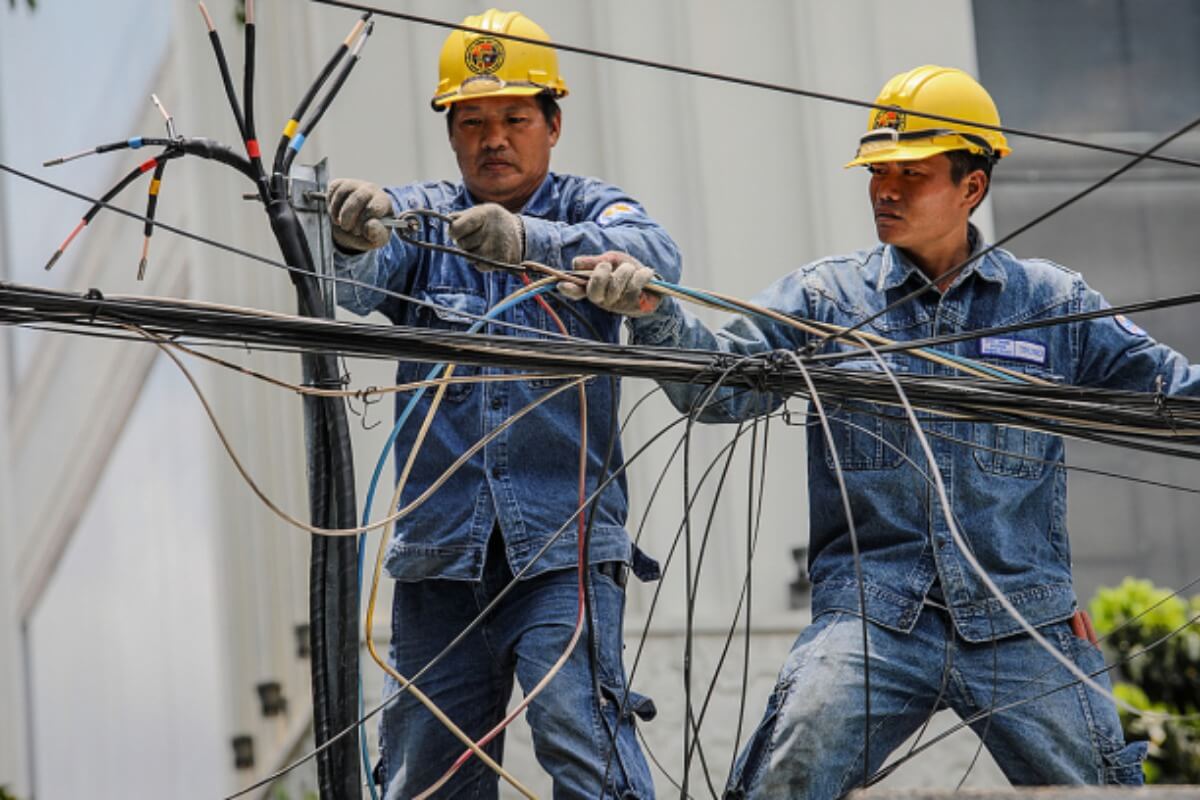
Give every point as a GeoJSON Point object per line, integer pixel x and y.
{"type": "Point", "coordinates": [1017, 349]}
{"type": "Point", "coordinates": [1128, 325]}
{"type": "Point", "coordinates": [615, 212]}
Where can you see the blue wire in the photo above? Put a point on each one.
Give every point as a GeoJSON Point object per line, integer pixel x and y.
{"type": "Point", "coordinates": [379, 465]}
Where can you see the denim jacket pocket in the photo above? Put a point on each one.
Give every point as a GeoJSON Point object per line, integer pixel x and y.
{"type": "Point", "coordinates": [451, 309]}
{"type": "Point", "coordinates": [1012, 451]}
{"type": "Point", "coordinates": [867, 436]}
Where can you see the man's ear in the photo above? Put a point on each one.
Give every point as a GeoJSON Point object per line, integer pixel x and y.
{"type": "Point", "coordinates": [975, 188]}
{"type": "Point", "coordinates": [555, 128]}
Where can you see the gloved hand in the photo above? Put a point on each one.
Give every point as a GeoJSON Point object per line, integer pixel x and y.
{"type": "Point", "coordinates": [355, 208]}
{"type": "Point", "coordinates": [490, 231]}
{"type": "Point", "coordinates": [615, 284]}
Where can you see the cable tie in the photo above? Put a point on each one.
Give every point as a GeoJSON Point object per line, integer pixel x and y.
{"type": "Point", "coordinates": [1160, 403]}
{"type": "Point", "coordinates": [252, 148]}
{"type": "Point", "coordinates": [297, 142]}
{"type": "Point", "coordinates": [136, 142]}
{"type": "Point", "coordinates": [93, 294]}
{"type": "Point", "coordinates": [148, 165]}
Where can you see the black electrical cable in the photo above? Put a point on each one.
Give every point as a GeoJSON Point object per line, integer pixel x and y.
{"type": "Point", "coordinates": [608, 55]}
{"type": "Point", "coordinates": [345, 732]}
{"type": "Point", "coordinates": [113, 191]}
{"type": "Point", "coordinates": [621, 713]}
{"type": "Point", "coordinates": [1056, 409]}
{"type": "Point", "coordinates": [1190, 298]}
{"type": "Point", "coordinates": [310, 93]}
{"type": "Point", "coordinates": [593, 645]}
{"type": "Point", "coordinates": [852, 531]}
{"type": "Point", "coordinates": [691, 581]}
{"type": "Point", "coordinates": [327, 100]}
{"type": "Point", "coordinates": [151, 209]}
{"type": "Point", "coordinates": [206, 148]}
{"type": "Point", "coordinates": [226, 78]}
{"type": "Point", "coordinates": [751, 541]}
{"type": "Point", "coordinates": [752, 531]}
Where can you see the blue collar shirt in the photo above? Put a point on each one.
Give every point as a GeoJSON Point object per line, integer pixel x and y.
{"type": "Point", "coordinates": [1005, 484]}
{"type": "Point", "coordinates": [525, 481]}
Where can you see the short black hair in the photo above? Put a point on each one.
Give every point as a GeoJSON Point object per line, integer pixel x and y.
{"type": "Point", "coordinates": [546, 102]}
{"type": "Point", "coordinates": [964, 162]}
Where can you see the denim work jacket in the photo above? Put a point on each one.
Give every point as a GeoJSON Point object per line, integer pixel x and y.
{"type": "Point", "coordinates": [527, 479]}
{"type": "Point", "coordinates": [1004, 484]}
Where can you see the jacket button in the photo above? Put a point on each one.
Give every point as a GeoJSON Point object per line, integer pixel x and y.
{"type": "Point", "coordinates": [497, 403]}
{"type": "Point", "coordinates": [496, 471]}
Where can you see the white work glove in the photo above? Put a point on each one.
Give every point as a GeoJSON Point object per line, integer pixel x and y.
{"type": "Point", "coordinates": [355, 208]}
{"type": "Point", "coordinates": [489, 231]}
{"type": "Point", "coordinates": [615, 283]}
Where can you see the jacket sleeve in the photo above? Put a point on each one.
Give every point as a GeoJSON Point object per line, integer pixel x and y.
{"type": "Point", "coordinates": [671, 325]}
{"type": "Point", "coordinates": [607, 219]}
{"type": "Point", "coordinates": [1117, 354]}
{"type": "Point", "coordinates": [390, 267]}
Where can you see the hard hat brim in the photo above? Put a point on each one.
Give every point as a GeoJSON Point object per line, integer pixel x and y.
{"type": "Point", "coordinates": [445, 101]}
{"type": "Point", "coordinates": [886, 152]}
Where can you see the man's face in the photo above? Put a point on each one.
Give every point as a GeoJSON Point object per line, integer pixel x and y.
{"type": "Point", "coordinates": [503, 148]}
{"type": "Point", "coordinates": [918, 206]}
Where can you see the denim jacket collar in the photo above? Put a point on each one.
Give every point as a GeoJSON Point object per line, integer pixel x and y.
{"type": "Point", "coordinates": [896, 268]}
{"type": "Point", "coordinates": [542, 203]}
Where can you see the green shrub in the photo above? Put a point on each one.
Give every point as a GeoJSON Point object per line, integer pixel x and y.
{"type": "Point", "coordinates": [1166, 678]}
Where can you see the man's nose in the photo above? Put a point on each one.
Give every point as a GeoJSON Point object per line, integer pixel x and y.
{"type": "Point", "coordinates": [885, 188]}
{"type": "Point", "coordinates": [494, 135]}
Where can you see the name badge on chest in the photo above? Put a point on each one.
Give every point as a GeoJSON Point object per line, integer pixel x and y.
{"type": "Point", "coordinates": [1017, 349]}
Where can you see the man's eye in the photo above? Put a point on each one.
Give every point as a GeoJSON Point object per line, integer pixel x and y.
{"type": "Point", "coordinates": [471, 122]}
{"type": "Point", "coordinates": [517, 120]}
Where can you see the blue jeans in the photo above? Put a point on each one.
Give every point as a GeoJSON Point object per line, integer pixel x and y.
{"type": "Point", "coordinates": [573, 729]}
{"type": "Point", "coordinates": [810, 741]}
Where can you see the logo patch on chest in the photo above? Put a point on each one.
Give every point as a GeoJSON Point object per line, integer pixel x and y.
{"type": "Point", "coordinates": [1017, 349]}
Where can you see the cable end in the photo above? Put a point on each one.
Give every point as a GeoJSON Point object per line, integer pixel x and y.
{"type": "Point", "coordinates": [54, 162]}
{"type": "Point", "coordinates": [53, 259]}
{"type": "Point", "coordinates": [141, 273]}
{"type": "Point", "coordinates": [207, 18]}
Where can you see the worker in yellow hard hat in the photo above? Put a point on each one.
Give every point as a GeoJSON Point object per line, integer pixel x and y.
{"type": "Point", "coordinates": [934, 551]}
{"type": "Point", "coordinates": [513, 507]}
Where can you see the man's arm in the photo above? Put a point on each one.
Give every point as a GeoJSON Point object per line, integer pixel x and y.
{"type": "Point", "coordinates": [1117, 354]}
{"type": "Point", "coordinates": [608, 220]}
{"type": "Point", "coordinates": [367, 252]}
{"type": "Point", "coordinates": [616, 284]}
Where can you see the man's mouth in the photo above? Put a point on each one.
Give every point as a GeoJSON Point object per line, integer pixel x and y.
{"type": "Point", "coordinates": [882, 214]}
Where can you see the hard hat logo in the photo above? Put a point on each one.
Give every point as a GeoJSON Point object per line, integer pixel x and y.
{"type": "Point", "coordinates": [889, 118]}
{"type": "Point", "coordinates": [485, 55]}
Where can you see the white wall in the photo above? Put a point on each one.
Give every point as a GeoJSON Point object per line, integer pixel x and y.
{"type": "Point", "coordinates": [750, 184]}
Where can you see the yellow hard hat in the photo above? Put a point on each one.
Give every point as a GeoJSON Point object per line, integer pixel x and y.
{"type": "Point", "coordinates": [476, 65]}
{"type": "Point", "coordinates": [899, 133]}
